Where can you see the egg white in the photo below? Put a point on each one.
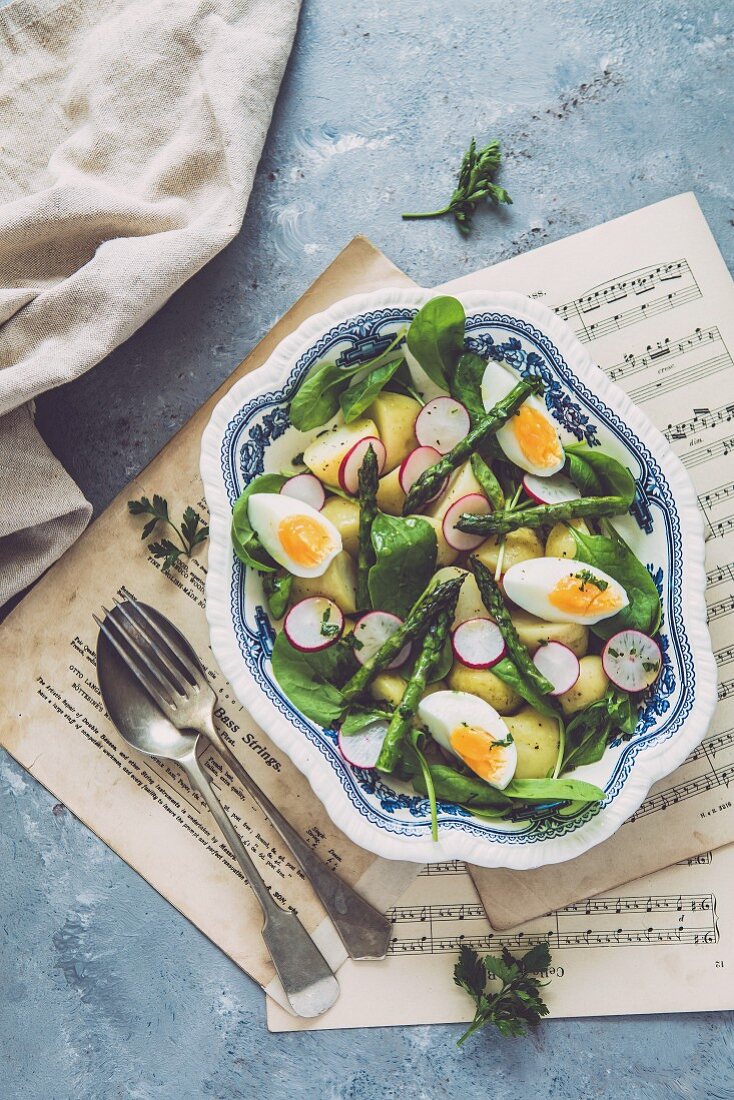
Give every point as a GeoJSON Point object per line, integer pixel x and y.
{"type": "Point", "coordinates": [444, 712]}
{"type": "Point", "coordinates": [267, 510]}
{"type": "Point", "coordinates": [497, 382]}
{"type": "Point", "coordinates": [529, 584]}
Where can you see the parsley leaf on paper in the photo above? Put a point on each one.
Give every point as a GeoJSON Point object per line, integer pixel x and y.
{"type": "Point", "coordinates": [474, 184]}
{"type": "Point", "coordinates": [191, 532]}
{"type": "Point", "coordinates": [518, 1003]}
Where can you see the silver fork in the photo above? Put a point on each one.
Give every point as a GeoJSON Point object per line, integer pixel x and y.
{"type": "Point", "coordinates": [189, 704]}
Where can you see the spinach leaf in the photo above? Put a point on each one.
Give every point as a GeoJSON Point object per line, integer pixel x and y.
{"type": "Point", "coordinates": [441, 668]}
{"type": "Point", "coordinates": [466, 384]}
{"type": "Point", "coordinates": [597, 474]}
{"type": "Point", "coordinates": [553, 790]}
{"type": "Point", "coordinates": [508, 672]}
{"type": "Point", "coordinates": [588, 733]}
{"type": "Point", "coordinates": [474, 794]}
{"type": "Point", "coordinates": [317, 398]}
{"type": "Point", "coordinates": [278, 592]}
{"type": "Point", "coordinates": [402, 382]}
{"type": "Point", "coordinates": [358, 396]}
{"type": "Point", "coordinates": [489, 484]}
{"type": "Point", "coordinates": [312, 680]}
{"type": "Point", "coordinates": [246, 542]}
{"type": "Point", "coordinates": [405, 561]}
{"type": "Point", "coordinates": [614, 556]}
{"type": "Point", "coordinates": [436, 338]}
{"type": "Point", "coordinates": [359, 717]}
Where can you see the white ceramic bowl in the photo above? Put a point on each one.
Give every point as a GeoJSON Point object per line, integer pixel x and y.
{"type": "Point", "coordinates": [249, 433]}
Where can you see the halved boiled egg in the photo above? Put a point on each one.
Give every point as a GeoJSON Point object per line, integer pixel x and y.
{"type": "Point", "coordinates": [472, 731]}
{"type": "Point", "coordinates": [530, 438]}
{"type": "Point", "coordinates": [561, 590]}
{"type": "Point", "coordinates": [298, 537]}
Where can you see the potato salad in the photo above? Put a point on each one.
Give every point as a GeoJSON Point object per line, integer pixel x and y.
{"type": "Point", "coordinates": [449, 589]}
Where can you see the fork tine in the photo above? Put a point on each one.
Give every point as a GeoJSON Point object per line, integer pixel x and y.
{"type": "Point", "coordinates": [153, 640]}
{"type": "Point", "coordinates": [139, 671]}
{"type": "Point", "coordinates": [191, 669]}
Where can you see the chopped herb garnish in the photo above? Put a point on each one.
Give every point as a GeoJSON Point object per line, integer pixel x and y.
{"type": "Point", "coordinates": [587, 577]}
{"type": "Point", "coordinates": [518, 1003]}
{"type": "Point", "coordinates": [191, 532]}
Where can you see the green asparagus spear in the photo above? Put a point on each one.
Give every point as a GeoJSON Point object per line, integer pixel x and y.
{"type": "Point", "coordinates": [368, 479]}
{"type": "Point", "coordinates": [414, 690]}
{"type": "Point", "coordinates": [419, 618]}
{"type": "Point", "coordinates": [428, 482]}
{"type": "Point", "coordinates": [495, 605]}
{"type": "Point", "coordinates": [499, 523]}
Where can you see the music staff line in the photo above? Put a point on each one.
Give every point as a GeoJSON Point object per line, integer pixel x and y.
{"type": "Point", "coordinates": [618, 937]}
{"type": "Point", "coordinates": [715, 775]}
{"type": "Point", "coordinates": [636, 363]}
{"type": "Point", "coordinates": [663, 903]}
{"type": "Point", "coordinates": [702, 420]}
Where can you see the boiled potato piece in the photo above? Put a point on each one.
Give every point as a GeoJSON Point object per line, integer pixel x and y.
{"type": "Point", "coordinates": [589, 688]}
{"type": "Point", "coordinates": [388, 687]}
{"type": "Point", "coordinates": [323, 456]}
{"type": "Point", "coordinates": [534, 632]}
{"type": "Point", "coordinates": [344, 514]}
{"type": "Point", "coordinates": [537, 738]}
{"type": "Point", "coordinates": [560, 542]}
{"type": "Point", "coordinates": [484, 683]}
{"type": "Point", "coordinates": [390, 497]}
{"type": "Point", "coordinates": [520, 545]}
{"type": "Point", "coordinates": [445, 554]}
{"type": "Point", "coordinates": [395, 415]}
{"type": "Point", "coordinates": [338, 583]}
{"type": "Point", "coordinates": [461, 482]}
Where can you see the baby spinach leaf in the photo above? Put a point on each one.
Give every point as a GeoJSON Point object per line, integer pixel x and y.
{"type": "Point", "coordinates": [277, 588]}
{"type": "Point", "coordinates": [402, 382]}
{"type": "Point", "coordinates": [598, 474]}
{"type": "Point", "coordinates": [508, 672]}
{"type": "Point", "coordinates": [358, 396]}
{"type": "Point", "coordinates": [466, 384]}
{"type": "Point", "coordinates": [405, 561]}
{"type": "Point", "coordinates": [436, 338]}
{"type": "Point", "coordinates": [465, 790]}
{"type": "Point", "coordinates": [588, 733]}
{"type": "Point", "coordinates": [614, 556]}
{"type": "Point", "coordinates": [246, 542]}
{"type": "Point", "coordinates": [359, 717]}
{"type": "Point", "coordinates": [554, 790]}
{"type": "Point", "coordinates": [312, 680]}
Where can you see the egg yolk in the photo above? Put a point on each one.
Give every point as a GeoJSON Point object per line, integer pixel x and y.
{"type": "Point", "coordinates": [479, 751]}
{"type": "Point", "coordinates": [304, 540]}
{"type": "Point", "coordinates": [536, 437]}
{"type": "Point", "coordinates": [576, 595]}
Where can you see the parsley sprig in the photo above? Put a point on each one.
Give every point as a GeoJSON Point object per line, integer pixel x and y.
{"type": "Point", "coordinates": [191, 532]}
{"type": "Point", "coordinates": [474, 184]}
{"type": "Point", "coordinates": [518, 1003]}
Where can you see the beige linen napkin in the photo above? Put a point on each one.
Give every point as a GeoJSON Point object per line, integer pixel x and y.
{"type": "Point", "coordinates": [130, 131]}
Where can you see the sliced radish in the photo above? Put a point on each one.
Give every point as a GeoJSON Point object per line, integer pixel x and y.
{"type": "Point", "coordinates": [352, 462]}
{"type": "Point", "coordinates": [417, 462]}
{"type": "Point", "coordinates": [442, 423]}
{"type": "Point", "coordinates": [371, 631]}
{"type": "Point", "coordinates": [477, 505]}
{"type": "Point", "coordinates": [632, 660]}
{"type": "Point", "coordinates": [559, 664]}
{"type": "Point", "coordinates": [314, 623]}
{"type": "Point", "coordinates": [362, 750]}
{"type": "Point", "coordinates": [478, 643]}
{"type": "Point", "coordinates": [550, 490]}
{"type": "Point", "coordinates": [306, 488]}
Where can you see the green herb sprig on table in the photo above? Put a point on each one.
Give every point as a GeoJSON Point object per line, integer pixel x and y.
{"type": "Point", "coordinates": [474, 184]}
{"type": "Point", "coordinates": [518, 1004]}
{"type": "Point", "coordinates": [191, 532]}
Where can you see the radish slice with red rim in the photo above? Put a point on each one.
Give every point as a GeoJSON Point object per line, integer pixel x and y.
{"type": "Point", "coordinates": [442, 423]}
{"type": "Point", "coordinates": [478, 643]}
{"type": "Point", "coordinates": [559, 665]}
{"type": "Point", "coordinates": [371, 631]}
{"type": "Point", "coordinates": [306, 488]}
{"type": "Point", "coordinates": [417, 462]}
{"type": "Point", "coordinates": [313, 623]}
{"type": "Point", "coordinates": [550, 490]}
{"type": "Point", "coordinates": [632, 660]}
{"type": "Point", "coordinates": [476, 505]}
{"type": "Point", "coordinates": [362, 749]}
{"type": "Point", "coordinates": [351, 463]}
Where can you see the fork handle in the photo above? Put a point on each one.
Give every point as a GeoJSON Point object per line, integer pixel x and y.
{"type": "Point", "coordinates": [364, 931]}
{"type": "Point", "coordinates": [307, 979]}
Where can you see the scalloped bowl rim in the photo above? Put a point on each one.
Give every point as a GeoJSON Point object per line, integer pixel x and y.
{"type": "Point", "coordinates": [647, 768]}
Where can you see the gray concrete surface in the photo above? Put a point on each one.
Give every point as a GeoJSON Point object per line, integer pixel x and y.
{"type": "Point", "coordinates": [602, 108]}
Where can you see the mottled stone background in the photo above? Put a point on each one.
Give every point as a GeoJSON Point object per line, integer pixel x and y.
{"type": "Point", "coordinates": [602, 107]}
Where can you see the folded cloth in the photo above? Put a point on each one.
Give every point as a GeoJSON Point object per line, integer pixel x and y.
{"type": "Point", "coordinates": [131, 131]}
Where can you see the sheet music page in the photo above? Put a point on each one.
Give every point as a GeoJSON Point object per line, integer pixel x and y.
{"type": "Point", "coordinates": [662, 944]}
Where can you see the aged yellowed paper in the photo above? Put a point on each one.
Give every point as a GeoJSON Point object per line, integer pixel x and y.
{"type": "Point", "coordinates": [53, 722]}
